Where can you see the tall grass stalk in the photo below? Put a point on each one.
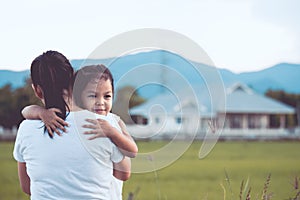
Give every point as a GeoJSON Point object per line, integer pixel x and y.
{"type": "Point", "coordinates": [296, 188]}
{"type": "Point", "coordinates": [228, 182]}
{"type": "Point", "coordinates": [264, 195]}
{"type": "Point", "coordinates": [224, 191]}
{"type": "Point", "coordinates": [243, 189]}
{"type": "Point", "coordinates": [248, 197]}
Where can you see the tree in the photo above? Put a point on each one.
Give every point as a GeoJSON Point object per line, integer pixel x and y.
{"type": "Point", "coordinates": [6, 107]}
{"type": "Point", "coordinates": [292, 100]}
{"type": "Point", "coordinates": [126, 98]}
{"type": "Point", "coordinates": [12, 101]}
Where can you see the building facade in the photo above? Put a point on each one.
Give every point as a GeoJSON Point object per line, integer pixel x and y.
{"type": "Point", "coordinates": [245, 114]}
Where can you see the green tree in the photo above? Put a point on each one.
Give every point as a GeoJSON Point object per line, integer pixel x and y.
{"type": "Point", "coordinates": [12, 101]}
{"type": "Point", "coordinates": [126, 98]}
{"type": "Point", "coordinates": [292, 100]}
{"type": "Point", "coordinates": [6, 106]}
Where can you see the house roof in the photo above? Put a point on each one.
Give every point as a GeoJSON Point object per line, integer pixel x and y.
{"type": "Point", "coordinates": [242, 99]}
{"type": "Point", "coordinates": [239, 99]}
{"type": "Point", "coordinates": [170, 104]}
{"type": "Point", "coordinates": [158, 104]}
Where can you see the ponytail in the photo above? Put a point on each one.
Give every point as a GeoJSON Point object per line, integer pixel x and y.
{"type": "Point", "coordinates": [53, 72]}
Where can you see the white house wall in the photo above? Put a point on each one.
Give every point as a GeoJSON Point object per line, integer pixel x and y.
{"type": "Point", "coordinates": [170, 126]}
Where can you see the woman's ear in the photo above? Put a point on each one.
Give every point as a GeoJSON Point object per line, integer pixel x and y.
{"type": "Point", "coordinates": [38, 91]}
{"type": "Point", "coordinates": [65, 93]}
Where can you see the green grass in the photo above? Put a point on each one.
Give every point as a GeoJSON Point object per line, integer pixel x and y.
{"type": "Point", "coordinates": [191, 178]}
{"type": "Point", "coordinates": [9, 182]}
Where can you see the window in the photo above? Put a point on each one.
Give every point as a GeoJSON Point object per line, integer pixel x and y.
{"type": "Point", "coordinates": [178, 120]}
{"type": "Point", "coordinates": [157, 120]}
{"type": "Point", "coordinates": [254, 121]}
{"type": "Point", "coordinates": [235, 121]}
{"type": "Point", "coordinates": [138, 119]}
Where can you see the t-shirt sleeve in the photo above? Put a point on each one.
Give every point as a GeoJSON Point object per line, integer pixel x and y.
{"type": "Point", "coordinates": [18, 148]}
{"type": "Point", "coordinates": [116, 117]}
{"type": "Point", "coordinates": [116, 155]}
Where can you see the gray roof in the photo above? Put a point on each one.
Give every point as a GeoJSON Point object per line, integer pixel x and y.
{"type": "Point", "coordinates": [241, 99]}
{"type": "Point", "coordinates": [173, 103]}
{"type": "Point", "coordinates": [156, 104]}
{"type": "Point", "coordinates": [169, 104]}
{"type": "Point", "coordinates": [238, 98]}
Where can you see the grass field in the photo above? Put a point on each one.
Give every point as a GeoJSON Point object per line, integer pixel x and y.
{"type": "Point", "coordinates": [191, 178]}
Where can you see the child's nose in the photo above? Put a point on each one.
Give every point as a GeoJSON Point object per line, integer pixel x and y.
{"type": "Point", "coordinates": [99, 101]}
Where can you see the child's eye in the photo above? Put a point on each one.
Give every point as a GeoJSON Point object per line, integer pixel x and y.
{"type": "Point", "coordinates": [92, 96]}
{"type": "Point", "coordinates": [107, 96]}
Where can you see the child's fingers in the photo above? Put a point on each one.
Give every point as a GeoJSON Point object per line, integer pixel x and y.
{"type": "Point", "coordinates": [89, 126]}
{"type": "Point", "coordinates": [49, 131]}
{"type": "Point", "coordinates": [55, 126]}
{"type": "Point", "coordinates": [55, 110]}
{"type": "Point", "coordinates": [95, 136]}
{"type": "Point", "coordinates": [62, 122]}
{"type": "Point", "coordinates": [89, 132]}
{"type": "Point", "coordinates": [95, 132]}
{"type": "Point", "coordinates": [91, 138]}
{"type": "Point", "coordinates": [91, 121]}
{"type": "Point", "coordinates": [55, 130]}
{"type": "Point", "coordinates": [60, 126]}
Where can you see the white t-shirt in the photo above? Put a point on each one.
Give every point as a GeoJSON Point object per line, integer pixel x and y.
{"type": "Point", "coordinates": [116, 184]}
{"type": "Point", "coordinates": [62, 167]}
{"type": "Point", "coordinates": [92, 147]}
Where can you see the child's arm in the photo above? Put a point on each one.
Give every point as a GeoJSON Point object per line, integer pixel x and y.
{"type": "Point", "coordinates": [48, 116]}
{"type": "Point", "coordinates": [102, 128]}
{"type": "Point", "coordinates": [130, 143]}
{"type": "Point", "coordinates": [122, 170]}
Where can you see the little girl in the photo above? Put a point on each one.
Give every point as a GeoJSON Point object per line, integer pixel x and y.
{"type": "Point", "coordinates": [93, 90]}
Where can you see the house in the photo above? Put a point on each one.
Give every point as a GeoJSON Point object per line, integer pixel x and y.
{"type": "Point", "coordinates": [244, 113]}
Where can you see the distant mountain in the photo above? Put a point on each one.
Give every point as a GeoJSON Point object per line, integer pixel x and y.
{"type": "Point", "coordinates": [14, 78]}
{"type": "Point", "coordinates": [159, 70]}
{"type": "Point", "coordinates": [283, 76]}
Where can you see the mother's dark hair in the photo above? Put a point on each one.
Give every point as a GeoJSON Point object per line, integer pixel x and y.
{"type": "Point", "coordinates": [53, 73]}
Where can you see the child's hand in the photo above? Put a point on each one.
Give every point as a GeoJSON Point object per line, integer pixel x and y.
{"type": "Point", "coordinates": [100, 128]}
{"type": "Point", "coordinates": [52, 122]}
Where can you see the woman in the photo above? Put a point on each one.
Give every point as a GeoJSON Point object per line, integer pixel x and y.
{"type": "Point", "coordinates": [61, 167]}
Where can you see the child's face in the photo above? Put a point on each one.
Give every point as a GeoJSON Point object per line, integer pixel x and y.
{"type": "Point", "coordinates": [97, 96]}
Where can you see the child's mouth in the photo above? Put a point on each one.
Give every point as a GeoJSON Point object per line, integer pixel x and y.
{"type": "Point", "coordinates": [99, 111]}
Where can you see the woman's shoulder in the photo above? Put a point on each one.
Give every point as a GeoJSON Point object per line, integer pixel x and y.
{"type": "Point", "coordinates": [30, 127]}
{"type": "Point", "coordinates": [30, 123]}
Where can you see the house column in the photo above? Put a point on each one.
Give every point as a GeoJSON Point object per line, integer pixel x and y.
{"type": "Point", "coordinates": [265, 121]}
{"type": "Point", "coordinates": [282, 122]}
{"type": "Point", "coordinates": [245, 121]}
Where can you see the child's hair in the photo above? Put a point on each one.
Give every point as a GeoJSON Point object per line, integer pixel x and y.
{"type": "Point", "coordinates": [86, 75]}
{"type": "Point", "coordinates": [53, 73]}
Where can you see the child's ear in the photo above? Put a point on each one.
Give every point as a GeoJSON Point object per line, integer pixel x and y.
{"type": "Point", "coordinates": [38, 91]}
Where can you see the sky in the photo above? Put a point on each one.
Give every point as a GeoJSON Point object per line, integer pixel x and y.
{"type": "Point", "coordinates": [238, 35]}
